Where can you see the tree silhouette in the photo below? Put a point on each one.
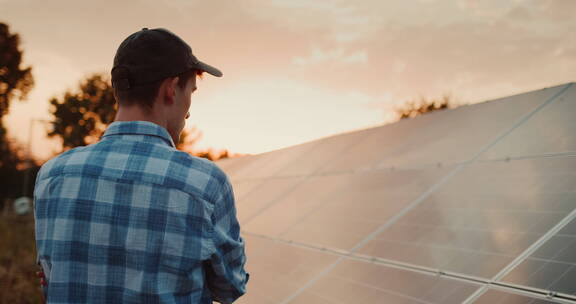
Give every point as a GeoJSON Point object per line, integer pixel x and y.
{"type": "Point", "coordinates": [11, 177]}
{"type": "Point", "coordinates": [15, 83]}
{"type": "Point", "coordinates": [421, 106]}
{"type": "Point", "coordinates": [81, 117]}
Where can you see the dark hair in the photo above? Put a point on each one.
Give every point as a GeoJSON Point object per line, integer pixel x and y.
{"type": "Point", "coordinates": [145, 94]}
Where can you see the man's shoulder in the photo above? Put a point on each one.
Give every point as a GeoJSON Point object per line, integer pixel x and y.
{"type": "Point", "coordinates": [137, 161]}
{"type": "Point", "coordinates": [202, 173]}
{"type": "Point", "coordinates": [191, 174]}
{"type": "Point", "coordinates": [58, 161]}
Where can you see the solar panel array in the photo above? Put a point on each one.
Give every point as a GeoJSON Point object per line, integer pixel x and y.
{"type": "Point", "coordinates": [470, 205]}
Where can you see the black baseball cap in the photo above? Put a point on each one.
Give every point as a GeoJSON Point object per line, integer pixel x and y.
{"type": "Point", "coordinates": [150, 55]}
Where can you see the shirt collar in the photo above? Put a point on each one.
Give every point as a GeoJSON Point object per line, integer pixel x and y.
{"type": "Point", "coordinates": [138, 128]}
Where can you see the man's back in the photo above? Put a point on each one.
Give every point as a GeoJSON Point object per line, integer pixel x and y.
{"type": "Point", "coordinates": [131, 219]}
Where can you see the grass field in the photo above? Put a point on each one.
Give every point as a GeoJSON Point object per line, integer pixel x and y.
{"type": "Point", "coordinates": [18, 282]}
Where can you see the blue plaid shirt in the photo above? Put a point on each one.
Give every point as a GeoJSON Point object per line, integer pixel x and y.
{"type": "Point", "coordinates": [131, 219]}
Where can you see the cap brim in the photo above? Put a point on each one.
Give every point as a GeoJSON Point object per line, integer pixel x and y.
{"type": "Point", "coordinates": [209, 69]}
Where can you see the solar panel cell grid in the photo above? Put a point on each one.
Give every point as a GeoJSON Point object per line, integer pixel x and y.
{"type": "Point", "coordinates": [446, 137]}
{"type": "Point", "coordinates": [268, 164]}
{"type": "Point", "coordinates": [233, 165]}
{"type": "Point", "coordinates": [481, 219]}
{"type": "Point", "coordinates": [362, 282]}
{"type": "Point", "coordinates": [278, 269]}
{"type": "Point", "coordinates": [501, 297]}
{"type": "Point", "coordinates": [242, 188]}
{"type": "Point", "coordinates": [359, 207]}
{"type": "Point", "coordinates": [324, 151]}
{"type": "Point", "coordinates": [295, 205]}
{"type": "Point", "coordinates": [549, 131]}
{"type": "Point", "coordinates": [552, 266]}
{"type": "Point", "coordinates": [267, 193]}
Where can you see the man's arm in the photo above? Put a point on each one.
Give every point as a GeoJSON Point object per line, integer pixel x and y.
{"type": "Point", "coordinates": [225, 273]}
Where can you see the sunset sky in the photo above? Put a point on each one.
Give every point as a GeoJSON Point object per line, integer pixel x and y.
{"type": "Point", "coordinates": [298, 70]}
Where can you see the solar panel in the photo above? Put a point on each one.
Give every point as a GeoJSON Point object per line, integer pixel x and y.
{"type": "Point", "coordinates": [309, 196]}
{"type": "Point", "coordinates": [277, 270]}
{"type": "Point", "coordinates": [266, 192]}
{"type": "Point", "coordinates": [448, 137]}
{"type": "Point", "coordinates": [550, 131]}
{"type": "Point", "coordinates": [362, 282]}
{"type": "Point", "coordinates": [478, 230]}
{"type": "Point", "coordinates": [443, 208]}
{"type": "Point", "coordinates": [231, 165]}
{"type": "Point", "coordinates": [267, 164]}
{"type": "Point", "coordinates": [359, 206]}
{"type": "Point", "coordinates": [325, 151]}
{"type": "Point", "coordinates": [502, 297]}
{"type": "Point", "coordinates": [552, 267]}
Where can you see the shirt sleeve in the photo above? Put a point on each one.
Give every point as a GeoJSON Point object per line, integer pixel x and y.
{"type": "Point", "coordinates": [226, 277]}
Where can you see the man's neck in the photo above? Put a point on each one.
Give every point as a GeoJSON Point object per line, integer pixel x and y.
{"type": "Point", "coordinates": [136, 113]}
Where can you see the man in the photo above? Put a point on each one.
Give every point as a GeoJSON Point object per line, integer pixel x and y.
{"type": "Point", "coordinates": [131, 219]}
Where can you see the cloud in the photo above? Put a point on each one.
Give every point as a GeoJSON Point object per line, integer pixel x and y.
{"type": "Point", "coordinates": [319, 56]}
{"type": "Point", "coordinates": [339, 21]}
{"type": "Point", "coordinates": [397, 49]}
{"type": "Point", "coordinates": [560, 10]}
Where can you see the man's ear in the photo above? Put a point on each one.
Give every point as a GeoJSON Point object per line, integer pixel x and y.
{"type": "Point", "coordinates": [170, 90]}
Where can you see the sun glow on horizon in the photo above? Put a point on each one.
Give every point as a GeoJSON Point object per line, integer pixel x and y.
{"type": "Point", "coordinates": [296, 71]}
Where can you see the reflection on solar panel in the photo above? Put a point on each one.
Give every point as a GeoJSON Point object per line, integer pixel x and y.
{"type": "Point", "coordinates": [471, 205]}
{"type": "Point", "coordinates": [552, 265]}
{"type": "Point", "coordinates": [500, 297]}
